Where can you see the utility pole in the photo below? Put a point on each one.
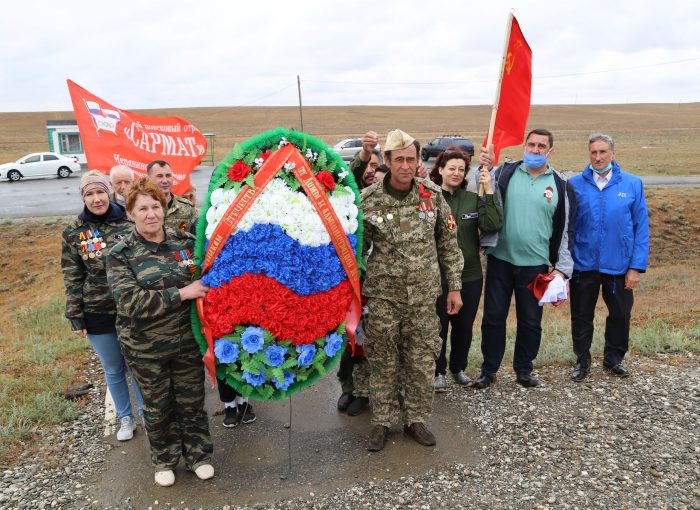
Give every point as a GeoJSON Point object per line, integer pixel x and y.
{"type": "Point", "coordinates": [301, 113]}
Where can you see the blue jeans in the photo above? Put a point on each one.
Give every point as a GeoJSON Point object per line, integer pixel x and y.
{"type": "Point", "coordinates": [110, 353]}
{"type": "Point", "coordinates": [503, 280]}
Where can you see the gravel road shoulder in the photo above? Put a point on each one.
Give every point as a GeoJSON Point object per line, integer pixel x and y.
{"type": "Point", "coordinates": [604, 443]}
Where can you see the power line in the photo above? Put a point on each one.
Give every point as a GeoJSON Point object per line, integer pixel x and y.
{"type": "Point", "coordinates": [433, 83]}
{"type": "Point", "coordinates": [265, 96]}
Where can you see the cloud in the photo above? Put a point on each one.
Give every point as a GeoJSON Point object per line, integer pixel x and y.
{"type": "Point", "coordinates": [164, 54]}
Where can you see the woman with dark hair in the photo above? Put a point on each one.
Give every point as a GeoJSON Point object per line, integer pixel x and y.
{"type": "Point", "coordinates": [89, 303]}
{"type": "Point", "coordinates": [473, 215]}
{"type": "Point", "coordinates": [150, 273]}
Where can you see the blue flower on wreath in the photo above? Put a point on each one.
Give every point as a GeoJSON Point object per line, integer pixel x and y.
{"type": "Point", "coordinates": [254, 379]}
{"type": "Point", "coordinates": [333, 343]}
{"type": "Point", "coordinates": [306, 354]}
{"type": "Point", "coordinates": [252, 339]}
{"type": "Point", "coordinates": [275, 355]}
{"type": "Point", "coordinates": [288, 380]}
{"type": "Point", "coordinates": [225, 351]}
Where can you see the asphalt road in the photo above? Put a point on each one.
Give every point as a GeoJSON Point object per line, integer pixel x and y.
{"type": "Point", "coordinates": [59, 197]}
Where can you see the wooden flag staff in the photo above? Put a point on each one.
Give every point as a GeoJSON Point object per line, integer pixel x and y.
{"type": "Point", "coordinates": [497, 99]}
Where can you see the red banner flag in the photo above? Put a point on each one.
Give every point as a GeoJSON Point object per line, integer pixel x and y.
{"type": "Point", "coordinates": [513, 99]}
{"type": "Point", "coordinates": [118, 137]}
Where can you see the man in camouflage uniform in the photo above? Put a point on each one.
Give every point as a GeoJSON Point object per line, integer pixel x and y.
{"type": "Point", "coordinates": [150, 281]}
{"type": "Point", "coordinates": [412, 233]}
{"type": "Point", "coordinates": [180, 214]}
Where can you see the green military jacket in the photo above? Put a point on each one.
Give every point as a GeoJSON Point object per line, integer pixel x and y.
{"type": "Point", "coordinates": [410, 246]}
{"type": "Point", "coordinates": [152, 320]}
{"type": "Point", "coordinates": [84, 247]}
{"type": "Point", "coordinates": [474, 215]}
{"type": "Point", "coordinates": [180, 214]}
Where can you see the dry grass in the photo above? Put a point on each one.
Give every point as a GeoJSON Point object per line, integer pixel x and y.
{"type": "Point", "coordinates": [652, 139]}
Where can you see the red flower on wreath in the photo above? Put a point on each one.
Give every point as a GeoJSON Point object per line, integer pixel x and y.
{"type": "Point", "coordinates": [265, 155]}
{"type": "Point", "coordinates": [259, 299]}
{"type": "Point", "coordinates": [239, 171]}
{"type": "Point", "coordinates": [326, 178]}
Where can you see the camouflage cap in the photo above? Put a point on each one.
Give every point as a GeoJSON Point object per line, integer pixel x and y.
{"type": "Point", "coordinates": [397, 140]}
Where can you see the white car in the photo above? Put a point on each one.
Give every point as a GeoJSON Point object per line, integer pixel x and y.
{"type": "Point", "coordinates": [39, 164]}
{"type": "Point", "coordinates": [348, 148]}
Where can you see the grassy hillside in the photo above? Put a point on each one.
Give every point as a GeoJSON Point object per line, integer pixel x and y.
{"type": "Point", "coordinates": [652, 139]}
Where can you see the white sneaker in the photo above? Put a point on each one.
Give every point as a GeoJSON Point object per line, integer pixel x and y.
{"type": "Point", "coordinates": [440, 383]}
{"type": "Point", "coordinates": [165, 478]}
{"type": "Point", "coordinates": [126, 431]}
{"type": "Point", "coordinates": [204, 472]}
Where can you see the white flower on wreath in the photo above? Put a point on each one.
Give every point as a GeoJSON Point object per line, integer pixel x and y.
{"type": "Point", "coordinates": [291, 210]}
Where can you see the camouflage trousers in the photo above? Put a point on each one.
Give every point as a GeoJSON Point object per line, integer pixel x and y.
{"type": "Point", "coordinates": [402, 345]}
{"type": "Point", "coordinates": [173, 409]}
{"type": "Point", "coordinates": [353, 375]}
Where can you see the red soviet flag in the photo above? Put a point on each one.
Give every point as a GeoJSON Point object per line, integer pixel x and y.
{"type": "Point", "coordinates": [118, 137]}
{"type": "Point", "coordinates": [514, 98]}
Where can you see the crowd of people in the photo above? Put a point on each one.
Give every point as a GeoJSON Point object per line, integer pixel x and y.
{"type": "Point", "coordinates": [128, 265]}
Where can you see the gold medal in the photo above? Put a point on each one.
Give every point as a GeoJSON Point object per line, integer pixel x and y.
{"type": "Point", "coordinates": [91, 255]}
{"type": "Point", "coordinates": [95, 240]}
{"type": "Point", "coordinates": [380, 219]}
{"type": "Point", "coordinates": [104, 245]}
{"type": "Point", "coordinates": [85, 257]}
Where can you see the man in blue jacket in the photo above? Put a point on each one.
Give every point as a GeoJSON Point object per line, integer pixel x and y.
{"type": "Point", "coordinates": [611, 249]}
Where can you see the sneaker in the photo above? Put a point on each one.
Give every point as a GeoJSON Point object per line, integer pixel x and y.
{"type": "Point", "coordinates": [127, 428]}
{"type": "Point", "coordinates": [231, 417]}
{"type": "Point", "coordinates": [204, 472]}
{"type": "Point", "coordinates": [165, 478]}
{"type": "Point", "coordinates": [440, 383]}
{"type": "Point", "coordinates": [245, 413]}
{"type": "Point", "coordinates": [461, 378]}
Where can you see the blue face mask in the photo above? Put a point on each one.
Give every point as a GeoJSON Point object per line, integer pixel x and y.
{"type": "Point", "coordinates": [602, 170]}
{"type": "Point", "coordinates": [535, 160]}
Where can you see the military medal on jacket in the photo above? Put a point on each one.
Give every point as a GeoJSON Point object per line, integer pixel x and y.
{"type": "Point", "coordinates": [184, 259]}
{"type": "Point", "coordinates": [425, 206]}
{"type": "Point", "coordinates": [91, 244]}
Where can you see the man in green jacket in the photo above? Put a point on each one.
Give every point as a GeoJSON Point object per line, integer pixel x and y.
{"type": "Point", "coordinates": [411, 231]}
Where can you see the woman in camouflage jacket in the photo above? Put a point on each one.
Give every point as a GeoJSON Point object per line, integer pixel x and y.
{"type": "Point", "coordinates": [89, 304]}
{"type": "Point", "coordinates": [150, 273]}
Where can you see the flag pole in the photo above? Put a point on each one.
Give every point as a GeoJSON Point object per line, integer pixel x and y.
{"type": "Point", "coordinates": [497, 99]}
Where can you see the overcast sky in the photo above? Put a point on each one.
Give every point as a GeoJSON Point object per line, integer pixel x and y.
{"type": "Point", "coordinates": [163, 54]}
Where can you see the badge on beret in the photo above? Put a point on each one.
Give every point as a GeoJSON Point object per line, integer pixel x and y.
{"type": "Point", "coordinates": [183, 226]}
{"type": "Point", "coordinates": [451, 222]}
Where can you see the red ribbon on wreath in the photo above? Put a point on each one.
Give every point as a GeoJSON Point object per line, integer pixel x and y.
{"type": "Point", "coordinates": [233, 215]}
